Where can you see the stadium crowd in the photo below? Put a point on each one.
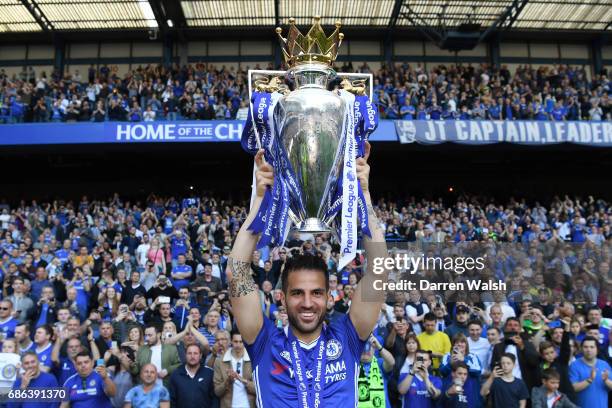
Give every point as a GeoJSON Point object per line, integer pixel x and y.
{"type": "Point", "coordinates": [403, 91]}
{"type": "Point", "coordinates": [128, 302]}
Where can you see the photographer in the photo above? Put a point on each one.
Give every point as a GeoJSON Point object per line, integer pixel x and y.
{"type": "Point", "coordinates": [159, 312]}
{"type": "Point", "coordinates": [162, 287]}
{"type": "Point", "coordinates": [515, 342]}
{"type": "Point", "coordinates": [205, 286]}
{"type": "Point", "coordinates": [461, 353]}
{"type": "Point", "coordinates": [123, 322]}
{"type": "Point", "coordinates": [418, 387]}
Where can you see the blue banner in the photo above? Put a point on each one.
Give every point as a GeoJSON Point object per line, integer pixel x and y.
{"type": "Point", "coordinates": [416, 131]}
{"type": "Point", "coordinates": [479, 132]}
{"type": "Point", "coordinates": [137, 132]}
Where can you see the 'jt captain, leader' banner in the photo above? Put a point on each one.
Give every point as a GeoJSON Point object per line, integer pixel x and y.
{"type": "Point", "coordinates": [477, 132]}
{"type": "Point", "coordinates": [472, 132]}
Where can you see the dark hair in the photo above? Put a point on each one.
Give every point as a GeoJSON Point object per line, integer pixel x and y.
{"type": "Point", "coordinates": [430, 317]}
{"type": "Point", "coordinates": [428, 352]}
{"type": "Point", "coordinates": [233, 333]}
{"type": "Point", "coordinates": [301, 262]}
{"type": "Point", "coordinates": [46, 328]}
{"type": "Point", "coordinates": [550, 374]}
{"type": "Point", "coordinates": [26, 325]}
{"type": "Point", "coordinates": [29, 353]}
{"type": "Point", "coordinates": [458, 364]}
{"type": "Point", "coordinates": [545, 345]}
{"type": "Point", "coordinates": [510, 356]}
{"type": "Point", "coordinates": [153, 326]}
{"type": "Point", "coordinates": [475, 321]}
{"type": "Point", "coordinates": [84, 353]}
{"type": "Point", "coordinates": [589, 338]}
{"type": "Point", "coordinates": [512, 319]}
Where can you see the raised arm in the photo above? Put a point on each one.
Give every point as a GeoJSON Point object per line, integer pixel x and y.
{"type": "Point", "coordinates": [364, 314]}
{"type": "Point", "coordinates": [244, 295]}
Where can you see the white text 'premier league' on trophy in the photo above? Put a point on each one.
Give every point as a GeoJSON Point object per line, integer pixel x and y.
{"type": "Point", "coordinates": [306, 131]}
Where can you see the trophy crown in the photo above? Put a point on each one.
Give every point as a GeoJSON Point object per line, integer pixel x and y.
{"type": "Point", "coordinates": [315, 46]}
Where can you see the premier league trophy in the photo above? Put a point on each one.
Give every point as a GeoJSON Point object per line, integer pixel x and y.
{"type": "Point", "coordinates": [312, 137]}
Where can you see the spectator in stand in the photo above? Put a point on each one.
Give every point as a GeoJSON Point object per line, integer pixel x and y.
{"type": "Point", "coordinates": [453, 393]}
{"type": "Point", "coordinates": [192, 385]}
{"type": "Point", "coordinates": [590, 376]}
{"type": "Point", "coordinates": [163, 356]}
{"type": "Point", "coordinates": [461, 353]}
{"type": "Point", "coordinates": [506, 390]}
{"type": "Point", "coordinates": [433, 340]}
{"type": "Point", "coordinates": [233, 376]}
{"type": "Point", "coordinates": [33, 378]}
{"type": "Point", "coordinates": [548, 393]}
{"type": "Point", "coordinates": [418, 387]}
{"type": "Point", "coordinates": [526, 357]}
{"type": "Point", "coordinates": [401, 90]}
{"type": "Point", "coordinates": [149, 393]}
{"type": "Point", "coordinates": [96, 386]}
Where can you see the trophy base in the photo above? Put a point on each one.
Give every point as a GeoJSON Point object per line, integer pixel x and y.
{"type": "Point", "coordinates": [313, 226]}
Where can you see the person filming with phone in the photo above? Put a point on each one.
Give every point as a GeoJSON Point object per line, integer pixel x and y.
{"type": "Point", "coordinates": [516, 343]}
{"type": "Point", "coordinates": [88, 387]}
{"type": "Point", "coordinates": [418, 387]}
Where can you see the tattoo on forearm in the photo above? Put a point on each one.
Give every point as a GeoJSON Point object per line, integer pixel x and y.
{"type": "Point", "coordinates": [242, 282]}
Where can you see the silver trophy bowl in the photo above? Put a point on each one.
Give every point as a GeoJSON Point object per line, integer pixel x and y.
{"type": "Point", "coordinates": [310, 122]}
{"type": "Point", "coordinates": [309, 141]}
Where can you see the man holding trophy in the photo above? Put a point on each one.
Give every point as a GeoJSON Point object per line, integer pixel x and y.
{"type": "Point", "coordinates": [311, 155]}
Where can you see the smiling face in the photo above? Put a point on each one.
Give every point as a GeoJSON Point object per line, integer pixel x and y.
{"type": "Point", "coordinates": [305, 300]}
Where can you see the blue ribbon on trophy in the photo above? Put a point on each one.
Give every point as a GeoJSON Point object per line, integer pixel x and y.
{"type": "Point", "coordinates": [312, 138]}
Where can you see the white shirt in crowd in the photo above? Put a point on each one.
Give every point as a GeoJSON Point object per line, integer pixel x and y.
{"type": "Point", "coordinates": [156, 357]}
{"type": "Point", "coordinates": [480, 348]}
{"type": "Point", "coordinates": [240, 398]}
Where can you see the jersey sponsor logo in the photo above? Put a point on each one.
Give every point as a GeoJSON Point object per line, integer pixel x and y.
{"type": "Point", "coordinates": [285, 354]}
{"type": "Point", "coordinates": [333, 349]}
{"type": "Point", "coordinates": [279, 368]}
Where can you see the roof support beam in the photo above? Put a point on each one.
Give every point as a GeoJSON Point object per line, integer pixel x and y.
{"type": "Point", "coordinates": [506, 19]}
{"type": "Point", "coordinates": [38, 15]}
{"type": "Point", "coordinates": [417, 21]}
{"type": "Point", "coordinates": [173, 11]}
{"type": "Point", "coordinates": [277, 21]}
{"type": "Point", "coordinates": [160, 14]}
{"type": "Point", "coordinates": [397, 7]}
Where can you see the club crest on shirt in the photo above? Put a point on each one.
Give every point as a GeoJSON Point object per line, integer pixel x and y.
{"type": "Point", "coordinates": [92, 383]}
{"type": "Point", "coordinates": [333, 349]}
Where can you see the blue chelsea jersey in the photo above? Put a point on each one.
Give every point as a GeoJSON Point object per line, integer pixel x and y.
{"type": "Point", "coordinates": [275, 384]}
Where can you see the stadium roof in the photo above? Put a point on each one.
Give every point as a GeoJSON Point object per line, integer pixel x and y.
{"type": "Point", "coordinates": [71, 15]}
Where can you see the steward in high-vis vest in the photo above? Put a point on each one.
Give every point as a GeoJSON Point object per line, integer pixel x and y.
{"type": "Point", "coordinates": [374, 371]}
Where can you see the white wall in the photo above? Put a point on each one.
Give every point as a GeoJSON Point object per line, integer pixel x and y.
{"type": "Point", "coordinates": [12, 52]}
{"type": "Point", "coordinates": [114, 50]}
{"type": "Point", "coordinates": [513, 50]}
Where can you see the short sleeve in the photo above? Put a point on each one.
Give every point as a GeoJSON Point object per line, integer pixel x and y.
{"type": "Point", "coordinates": [130, 395]}
{"type": "Point", "coordinates": [436, 381]}
{"type": "Point", "coordinates": [344, 330]}
{"type": "Point", "coordinates": [164, 395]}
{"type": "Point", "coordinates": [574, 373]}
{"type": "Point", "coordinates": [257, 349]}
{"type": "Point", "coordinates": [523, 391]}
